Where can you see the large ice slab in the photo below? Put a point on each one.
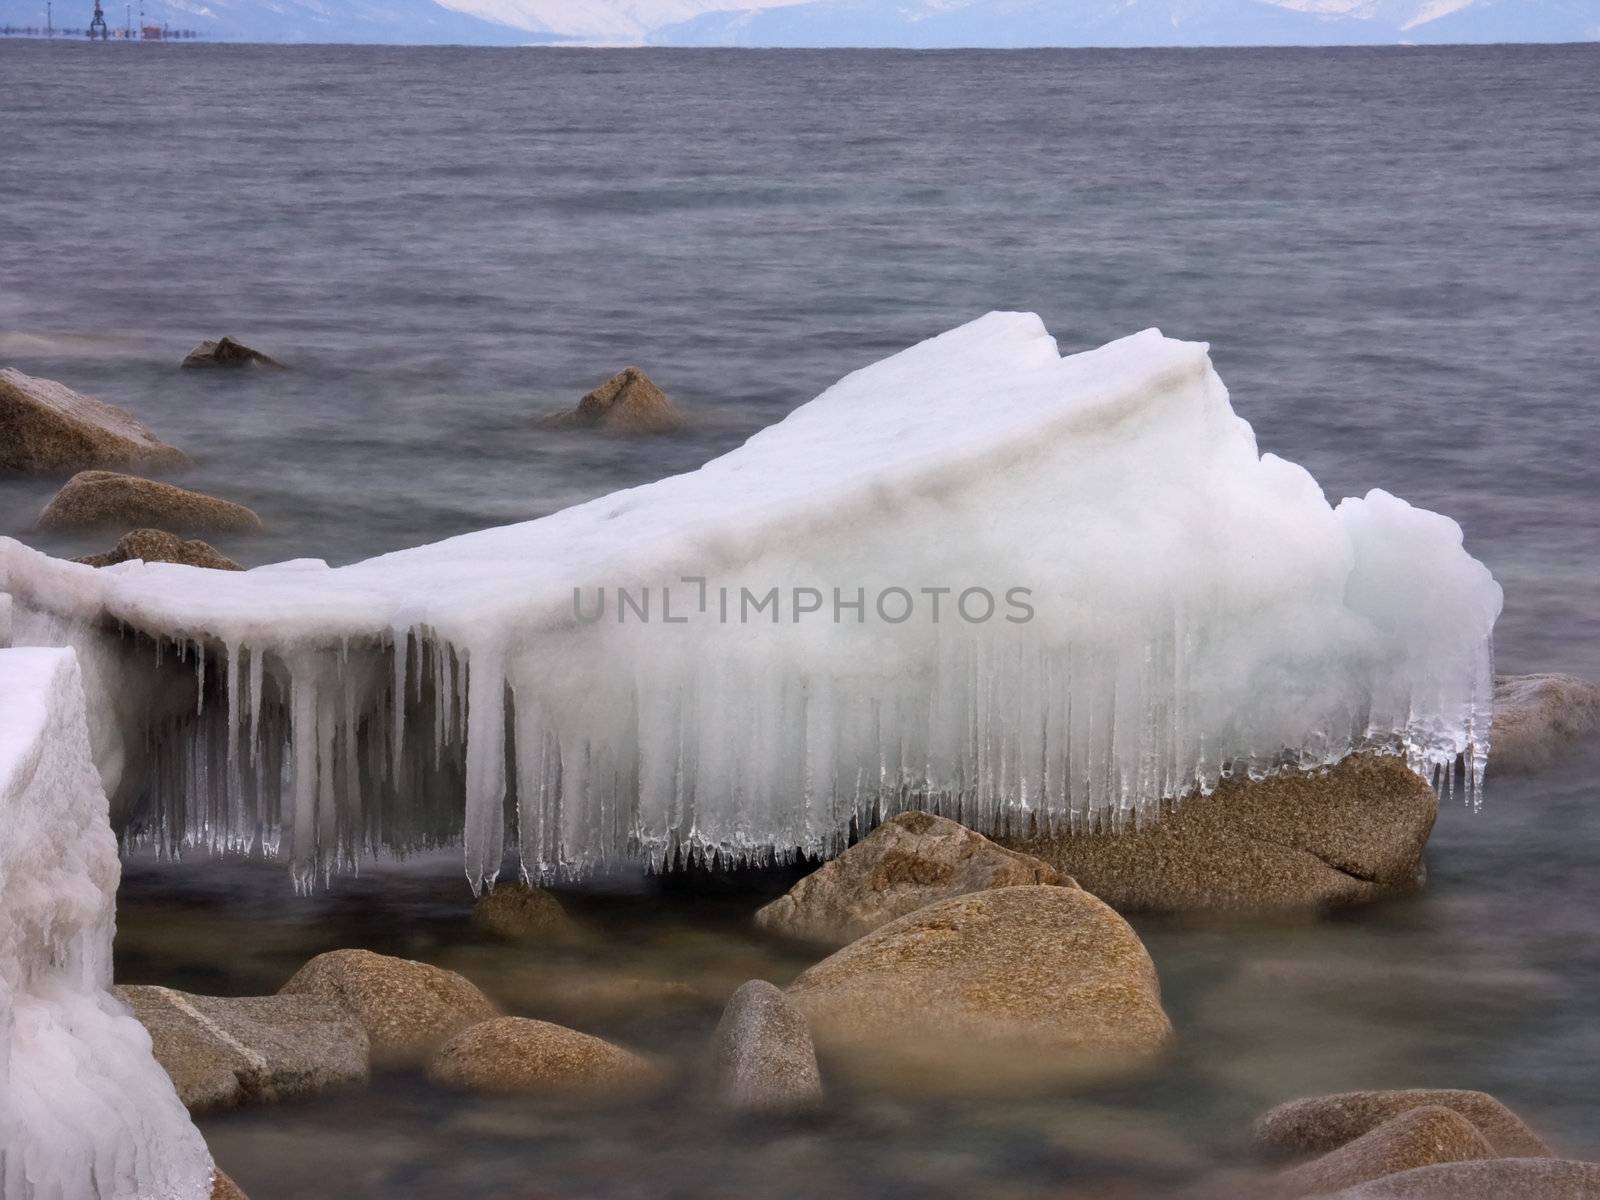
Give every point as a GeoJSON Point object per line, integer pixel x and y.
{"type": "Point", "coordinates": [85, 1111]}
{"type": "Point", "coordinates": [1169, 605]}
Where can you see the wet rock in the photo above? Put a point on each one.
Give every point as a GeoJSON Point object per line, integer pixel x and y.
{"type": "Point", "coordinates": [989, 990]}
{"type": "Point", "coordinates": [909, 861]}
{"type": "Point", "coordinates": [1418, 1137]}
{"type": "Point", "coordinates": [765, 1061]}
{"type": "Point", "coordinates": [1540, 718]}
{"type": "Point", "coordinates": [518, 913]}
{"type": "Point", "coordinates": [627, 403]}
{"type": "Point", "coordinates": [157, 545]}
{"type": "Point", "coordinates": [109, 500]}
{"type": "Point", "coordinates": [1318, 1124]}
{"type": "Point", "coordinates": [228, 354]}
{"type": "Point", "coordinates": [1347, 835]}
{"type": "Point", "coordinates": [516, 1054]}
{"type": "Point", "coordinates": [407, 1008]}
{"type": "Point", "coordinates": [45, 426]}
{"type": "Point", "coordinates": [1489, 1179]}
{"type": "Point", "coordinates": [223, 1051]}
{"type": "Point", "coordinates": [223, 1188]}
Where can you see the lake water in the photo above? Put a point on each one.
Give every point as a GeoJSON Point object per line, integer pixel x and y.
{"type": "Point", "coordinates": [1395, 255]}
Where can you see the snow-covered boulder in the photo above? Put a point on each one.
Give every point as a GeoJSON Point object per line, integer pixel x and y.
{"type": "Point", "coordinates": [85, 1111]}
{"type": "Point", "coordinates": [46, 426]}
{"type": "Point", "coordinates": [977, 578]}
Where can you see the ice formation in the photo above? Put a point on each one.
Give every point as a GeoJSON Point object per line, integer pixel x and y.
{"type": "Point", "coordinates": [618, 680]}
{"type": "Point", "coordinates": [85, 1111]}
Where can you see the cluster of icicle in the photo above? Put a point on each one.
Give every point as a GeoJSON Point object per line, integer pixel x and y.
{"type": "Point", "coordinates": [1189, 609]}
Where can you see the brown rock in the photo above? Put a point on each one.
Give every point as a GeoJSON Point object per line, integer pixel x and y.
{"type": "Point", "coordinates": [1318, 1124]}
{"type": "Point", "coordinates": [157, 545]}
{"type": "Point", "coordinates": [228, 354]}
{"type": "Point", "coordinates": [987, 990]}
{"type": "Point", "coordinates": [407, 1008]}
{"type": "Point", "coordinates": [1540, 718]}
{"type": "Point", "coordinates": [108, 500]}
{"type": "Point", "coordinates": [1347, 835]}
{"type": "Point", "coordinates": [584, 996]}
{"type": "Point", "coordinates": [515, 1054]}
{"type": "Point", "coordinates": [909, 861]}
{"type": "Point", "coordinates": [223, 1188]}
{"type": "Point", "coordinates": [519, 913]}
{"type": "Point", "coordinates": [1418, 1137]}
{"type": "Point", "coordinates": [47, 427]}
{"type": "Point", "coordinates": [222, 1051]}
{"type": "Point", "coordinates": [765, 1060]}
{"type": "Point", "coordinates": [626, 403]}
{"type": "Point", "coordinates": [1489, 1179]}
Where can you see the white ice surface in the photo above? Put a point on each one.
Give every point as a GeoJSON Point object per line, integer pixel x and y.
{"type": "Point", "coordinates": [85, 1111]}
{"type": "Point", "coordinates": [1198, 607]}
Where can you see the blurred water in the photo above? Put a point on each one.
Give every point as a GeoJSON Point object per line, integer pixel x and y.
{"type": "Point", "coordinates": [1395, 254]}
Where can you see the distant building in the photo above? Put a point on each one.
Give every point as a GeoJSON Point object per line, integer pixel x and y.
{"type": "Point", "coordinates": [150, 33]}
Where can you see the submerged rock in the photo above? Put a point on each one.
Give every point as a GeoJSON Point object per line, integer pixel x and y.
{"type": "Point", "coordinates": [157, 545]}
{"type": "Point", "coordinates": [407, 1008]}
{"type": "Point", "coordinates": [516, 1054]}
{"type": "Point", "coordinates": [628, 402]}
{"type": "Point", "coordinates": [107, 499]}
{"type": "Point", "coordinates": [1418, 1137]}
{"type": "Point", "coordinates": [222, 1051]}
{"type": "Point", "coordinates": [1488, 1179]}
{"type": "Point", "coordinates": [1350, 834]}
{"type": "Point", "coordinates": [987, 990]}
{"type": "Point", "coordinates": [1539, 718]}
{"type": "Point", "coordinates": [45, 426]}
{"type": "Point", "coordinates": [906, 863]}
{"type": "Point", "coordinates": [765, 1060]}
{"type": "Point", "coordinates": [1318, 1124]}
{"type": "Point", "coordinates": [227, 353]}
{"type": "Point", "coordinates": [515, 912]}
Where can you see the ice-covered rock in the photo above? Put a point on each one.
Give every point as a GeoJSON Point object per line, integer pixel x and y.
{"type": "Point", "coordinates": [46, 426]}
{"type": "Point", "coordinates": [976, 578]}
{"type": "Point", "coordinates": [85, 1111]}
{"type": "Point", "coordinates": [111, 500]}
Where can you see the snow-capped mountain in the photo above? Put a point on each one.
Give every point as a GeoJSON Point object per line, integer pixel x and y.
{"type": "Point", "coordinates": [938, 23]}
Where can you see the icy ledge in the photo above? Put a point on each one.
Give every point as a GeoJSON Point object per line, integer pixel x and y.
{"type": "Point", "coordinates": [85, 1111]}
{"type": "Point", "coordinates": [1194, 608]}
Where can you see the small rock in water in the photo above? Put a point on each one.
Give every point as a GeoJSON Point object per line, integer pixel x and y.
{"type": "Point", "coordinates": [109, 500]}
{"type": "Point", "coordinates": [222, 1051]}
{"type": "Point", "coordinates": [989, 990]}
{"type": "Point", "coordinates": [1486, 1179]}
{"type": "Point", "coordinates": [407, 1008]}
{"type": "Point", "coordinates": [765, 1060]}
{"type": "Point", "coordinates": [516, 1054]}
{"type": "Point", "coordinates": [1318, 1124]}
{"type": "Point", "coordinates": [519, 913]}
{"type": "Point", "coordinates": [626, 403]}
{"type": "Point", "coordinates": [908, 862]}
{"type": "Point", "coordinates": [1300, 840]}
{"type": "Point", "coordinates": [227, 353]}
{"type": "Point", "coordinates": [223, 1188]}
{"type": "Point", "coordinates": [1539, 718]}
{"type": "Point", "coordinates": [45, 426]}
{"type": "Point", "coordinates": [157, 545]}
{"type": "Point", "coordinates": [1418, 1137]}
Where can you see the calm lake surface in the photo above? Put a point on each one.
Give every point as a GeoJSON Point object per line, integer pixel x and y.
{"type": "Point", "coordinates": [1395, 255]}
